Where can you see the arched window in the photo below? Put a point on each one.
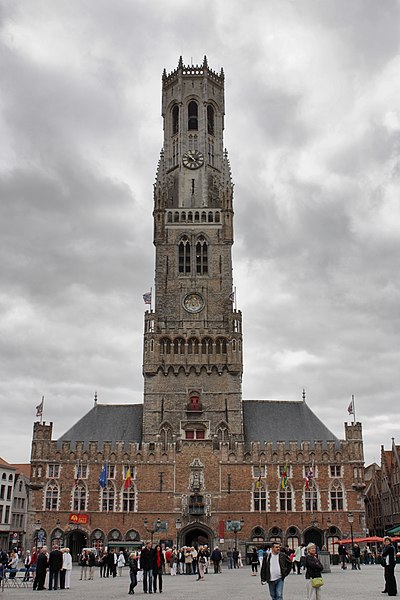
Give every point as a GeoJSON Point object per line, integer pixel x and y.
{"type": "Point", "coordinates": [166, 437]}
{"type": "Point", "coordinates": [220, 346]}
{"type": "Point", "coordinates": [108, 498]}
{"type": "Point", "coordinates": [179, 346]}
{"type": "Point", "coordinates": [201, 256]}
{"type": "Point", "coordinates": [165, 346]}
{"type": "Point", "coordinates": [175, 119]}
{"type": "Point", "coordinates": [222, 433]}
{"type": "Point", "coordinates": [210, 119]}
{"type": "Point", "coordinates": [193, 116]}
{"type": "Point", "coordinates": [285, 499]}
{"type": "Point", "coordinates": [79, 497]}
{"type": "Point", "coordinates": [336, 496]}
{"type": "Point", "coordinates": [193, 346]}
{"type": "Point", "coordinates": [52, 496]}
{"type": "Point", "coordinates": [259, 497]}
{"type": "Point", "coordinates": [206, 346]}
{"type": "Point", "coordinates": [311, 497]}
{"type": "Point", "coordinates": [128, 499]}
{"type": "Point", "coordinates": [184, 256]}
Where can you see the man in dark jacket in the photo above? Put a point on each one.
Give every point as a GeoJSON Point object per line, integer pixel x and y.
{"type": "Point", "coordinates": [389, 562]}
{"type": "Point", "coordinates": [55, 566]}
{"type": "Point", "coordinates": [216, 557]}
{"type": "Point", "coordinates": [146, 564]}
{"type": "Point", "coordinates": [275, 567]}
{"type": "Point", "coordinates": [41, 569]}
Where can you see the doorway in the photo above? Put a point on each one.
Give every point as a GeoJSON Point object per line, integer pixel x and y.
{"type": "Point", "coordinates": [196, 536]}
{"type": "Point", "coordinates": [76, 541]}
{"type": "Point", "coordinates": [314, 536]}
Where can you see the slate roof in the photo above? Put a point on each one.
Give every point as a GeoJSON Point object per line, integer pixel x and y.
{"type": "Point", "coordinates": [107, 423]}
{"type": "Point", "coordinates": [282, 420]}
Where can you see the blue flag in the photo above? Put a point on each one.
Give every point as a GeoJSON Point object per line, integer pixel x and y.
{"type": "Point", "coordinates": [103, 477]}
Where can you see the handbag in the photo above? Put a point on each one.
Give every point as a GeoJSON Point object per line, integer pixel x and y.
{"type": "Point", "coordinates": [317, 582]}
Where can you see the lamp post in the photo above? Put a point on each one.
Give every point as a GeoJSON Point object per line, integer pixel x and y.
{"type": "Point", "coordinates": [178, 525]}
{"type": "Point", "coordinates": [157, 526]}
{"type": "Point", "coordinates": [234, 526]}
{"type": "Point", "coordinates": [350, 518]}
{"type": "Point", "coordinates": [38, 526]}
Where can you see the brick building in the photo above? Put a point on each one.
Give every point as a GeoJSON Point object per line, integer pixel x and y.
{"type": "Point", "coordinates": [206, 465]}
{"type": "Point", "coordinates": [382, 493]}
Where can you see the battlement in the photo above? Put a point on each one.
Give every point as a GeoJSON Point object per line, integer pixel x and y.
{"type": "Point", "coordinates": [190, 71]}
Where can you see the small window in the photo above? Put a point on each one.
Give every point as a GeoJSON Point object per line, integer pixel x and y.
{"type": "Point", "coordinates": [53, 471]}
{"type": "Point", "coordinates": [210, 119]}
{"type": "Point", "coordinates": [335, 471]}
{"type": "Point", "coordinates": [260, 471]}
{"type": "Point", "coordinates": [193, 116]}
{"type": "Point", "coordinates": [175, 119]}
{"type": "Point", "coordinates": [190, 434]}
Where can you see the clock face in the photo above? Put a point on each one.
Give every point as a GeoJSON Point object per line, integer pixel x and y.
{"type": "Point", "coordinates": [193, 159]}
{"type": "Point", "coordinates": [193, 302]}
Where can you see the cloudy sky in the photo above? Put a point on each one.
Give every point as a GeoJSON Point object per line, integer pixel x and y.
{"type": "Point", "coordinates": [313, 133]}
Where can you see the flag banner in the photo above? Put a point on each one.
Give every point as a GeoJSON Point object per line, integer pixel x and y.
{"type": "Point", "coordinates": [128, 479]}
{"type": "Point", "coordinates": [147, 298]}
{"type": "Point", "coordinates": [39, 408]}
{"type": "Point", "coordinates": [284, 478]}
{"type": "Point", "coordinates": [103, 477]}
{"type": "Point", "coordinates": [309, 477]}
{"type": "Point", "coordinates": [350, 408]}
{"type": "Point", "coordinates": [232, 297]}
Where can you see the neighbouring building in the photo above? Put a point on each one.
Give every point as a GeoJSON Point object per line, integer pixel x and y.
{"type": "Point", "coordinates": [382, 493]}
{"type": "Point", "coordinates": [7, 479]}
{"type": "Point", "coordinates": [195, 462]}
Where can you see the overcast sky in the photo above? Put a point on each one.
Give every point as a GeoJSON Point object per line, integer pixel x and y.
{"type": "Point", "coordinates": [313, 133]}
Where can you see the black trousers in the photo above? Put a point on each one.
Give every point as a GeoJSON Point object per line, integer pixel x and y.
{"type": "Point", "coordinates": [390, 581]}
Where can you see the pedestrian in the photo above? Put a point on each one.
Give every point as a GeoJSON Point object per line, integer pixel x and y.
{"type": "Point", "coordinates": [120, 563]}
{"type": "Point", "coordinates": [314, 569]}
{"type": "Point", "coordinates": [275, 567]}
{"type": "Point", "coordinates": [357, 557]}
{"type": "Point", "coordinates": [83, 563]}
{"type": "Point", "coordinates": [229, 558]}
{"type": "Point", "coordinates": [297, 559]}
{"type": "Point", "coordinates": [13, 564]}
{"type": "Point", "coordinates": [254, 562]}
{"type": "Point", "coordinates": [342, 555]}
{"type": "Point", "coordinates": [41, 569]}
{"type": "Point", "coordinates": [91, 563]}
{"type": "Point", "coordinates": [240, 561]}
{"type": "Point", "coordinates": [146, 564]}
{"type": "Point", "coordinates": [133, 569]}
{"type": "Point", "coordinates": [260, 553]}
{"type": "Point", "coordinates": [158, 568]}
{"type": "Point", "coordinates": [202, 563]}
{"type": "Point", "coordinates": [216, 557]}
{"type": "Point", "coordinates": [67, 568]}
{"type": "Point", "coordinates": [55, 566]}
{"type": "Point", "coordinates": [188, 561]}
{"type": "Point", "coordinates": [27, 564]}
{"type": "Point", "coordinates": [235, 557]}
{"type": "Point", "coordinates": [103, 563]}
{"type": "Point", "coordinates": [389, 563]}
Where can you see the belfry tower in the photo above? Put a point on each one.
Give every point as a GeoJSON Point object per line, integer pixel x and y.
{"type": "Point", "coordinates": [192, 356]}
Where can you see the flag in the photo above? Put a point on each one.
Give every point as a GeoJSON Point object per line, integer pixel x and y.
{"type": "Point", "coordinates": [232, 296]}
{"type": "Point", "coordinates": [39, 408]}
{"type": "Point", "coordinates": [309, 477]}
{"type": "Point", "coordinates": [350, 408]}
{"type": "Point", "coordinates": [258, 482]}
{"type": "Point", "coordinates": [78, 472]}
{"type": "Point", "coordinates": [103, 477]}
{"type": "Point", "coordinates": [284, 478]}
{"type": "Point", "coordinates": [128, 479]}
{"type": "Point", "coordinates": [147, 298]}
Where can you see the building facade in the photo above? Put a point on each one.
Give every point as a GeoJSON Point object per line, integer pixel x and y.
{"type": "Point", "coordinates": [7, 479]}
{"type": "Point", "coordinates": [382, 493]}
{"type": "Point", "coordinates": [204, 464]}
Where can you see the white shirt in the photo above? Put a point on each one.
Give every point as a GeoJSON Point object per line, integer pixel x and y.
{"type": "Point", "coordinates": [67, 561]}
{"type": "Point", "coordinates": [274, 567]}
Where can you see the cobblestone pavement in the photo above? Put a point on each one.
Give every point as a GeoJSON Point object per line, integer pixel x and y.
{"type": "Point", "coordinates": [234, 584]}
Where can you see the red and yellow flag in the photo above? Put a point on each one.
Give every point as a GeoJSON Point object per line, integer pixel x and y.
{"type": "Point", "coordinates": [128, 479]}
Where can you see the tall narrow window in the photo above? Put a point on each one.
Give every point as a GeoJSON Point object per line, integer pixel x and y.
{"type": "Point", "coordinates": [175, 119]}
{"type": "Point", "coordinates": [211, 152]}
{"type": "Point", "coordinates": [311, 497]}
{"type": "Point", "coordinates": [210, 119]}
{"type": "Point", "coordinates": [260, 499]}
{"type": "Point", "coordinates": [201, 256]}
{"type": "Point", "coordinates": [285, 500]}
{"type": "Point", "coordinates": [128, 500]}
{"type": "Point", "coordinates": [108, 498]}
{"type": "Point", "coordinates": [184, 256]}
{"type": "Point", "coordinates": [52, 496]}
{"type": "Point", "coordinates": [193, 116]}
{"type": "Point", "coordinates": [336, 496]}
{"type": "Point", "coordinates": [79, 498]}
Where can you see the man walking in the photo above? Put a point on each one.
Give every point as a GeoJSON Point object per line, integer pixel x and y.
{"type": "Point", "coordinates": [146, 564]}
{"type": "Point", "coordinates": [275, 567]}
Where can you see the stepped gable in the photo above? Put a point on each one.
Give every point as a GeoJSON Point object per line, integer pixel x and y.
{"type": "Point", "coordinates": [283, 421]}
{"type": "Point", "coordinates": [107, 423]}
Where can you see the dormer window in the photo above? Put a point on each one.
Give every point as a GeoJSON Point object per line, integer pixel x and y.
{"type": "Point", "coordinates": [193, 116]}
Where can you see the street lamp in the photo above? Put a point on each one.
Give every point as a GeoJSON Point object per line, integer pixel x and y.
{"type": "Point", "coordinates": [178, 525]}
{"type": "Point", "coordinates": [234, 526]}
{"type": "Point", "coordinates": [350, 517]}
{"type": "Point", "coordinates": [38, 527]}
{"type": "Point", "coordinates": [157, 526]}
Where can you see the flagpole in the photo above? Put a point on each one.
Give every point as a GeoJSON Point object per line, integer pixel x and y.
{"type": "Point", "coordinates": [354, 408]}
{"type": "Point", "coordinates": [235, 299]}
{"type": "Point", "coordinates": [151, 299]}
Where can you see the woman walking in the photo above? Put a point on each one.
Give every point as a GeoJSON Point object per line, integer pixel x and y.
{"type": "Point", "coordinates": [254, 562]}
{"type": "Point", "coordinates": [201, 562]}
{"type": "Point", "coordinates": [158, 568]}
{"type": "Point", "coordinates": [133, 569]}
{"type": "Point", "coordinates": [314, 569]}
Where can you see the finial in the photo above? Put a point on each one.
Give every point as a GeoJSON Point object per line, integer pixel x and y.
{"type": "Point", "coordinates": [164, 73]}
{"type": "Point", "coordinates": [95, 398]}
{"type": "Point", "coordinates": [205, 63]}
{"type": "Point", "coordinates": [304, 395]}
{"type": "Point", "coordinates": [222, 73]}
{"type": "Point", "coordinates": [180, 63]}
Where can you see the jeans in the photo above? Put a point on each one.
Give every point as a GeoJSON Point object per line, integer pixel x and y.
{"type": "Point", "coordinates": [148, 580]}
{"type": "Point", "coordinates": [276, 589]}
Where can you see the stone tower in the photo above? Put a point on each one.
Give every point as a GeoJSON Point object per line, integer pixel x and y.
{"type": "Point", "coordinates": [192, 354]}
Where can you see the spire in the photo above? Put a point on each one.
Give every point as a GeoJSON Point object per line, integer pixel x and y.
{"type": "Point", "coordinates": [180, 63]}
{"type": "Point", "coordinates": [304, 395]}
{"type": "Point", "coordinates": [95, 398]}
{"type": "Point", "coordinates": [205, 63]}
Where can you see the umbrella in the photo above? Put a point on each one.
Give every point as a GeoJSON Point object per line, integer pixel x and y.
{"type": "Point", "coordinates": [366, 540]}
